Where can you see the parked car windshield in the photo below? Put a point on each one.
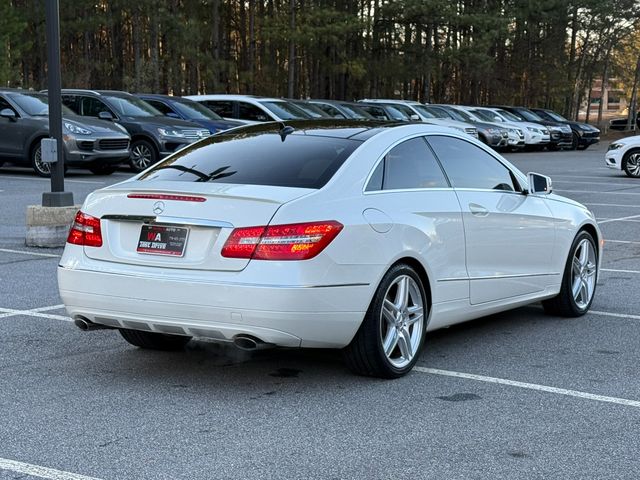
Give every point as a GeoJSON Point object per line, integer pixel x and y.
{"type": "Point", "coordinates": [556, 116]}
{"type": "Point", "coordinates": [286, 111]}
{"type": "Point", "coordinates": [424, 111]}
{"type": "Point", "coordinates": [460, 115]}
{"type": "Point", "coordinates": [510, 116]}
{"type": "Point", "coordinates": [355, 111]}
{"type": "Point", "coordinates": [257, 157]}
{"type": "Point", "coordinates": [486, 115]}
{"type": "Point", "coordinates": [195, 111]}
{"type": "Point", "coordinates": [529, 115]}
{"type": "Point", "coordinates": [132, 107]}
{"type": "Point", "coordinates": [36, 104]}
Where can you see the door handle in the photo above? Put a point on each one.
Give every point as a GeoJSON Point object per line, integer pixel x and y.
{"type": "Point", "coordinates": [478, 210]}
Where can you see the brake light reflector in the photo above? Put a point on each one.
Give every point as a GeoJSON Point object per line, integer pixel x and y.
{"type": "Point", "coordinates": [298, 241]}
{"type": "Point", "coordinates": [85, 231]}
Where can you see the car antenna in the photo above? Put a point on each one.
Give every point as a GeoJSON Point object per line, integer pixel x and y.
{"type": "Point", "coordinates": [285, 130]}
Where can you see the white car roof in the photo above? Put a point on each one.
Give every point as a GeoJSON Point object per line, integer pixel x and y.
{"type": "Point", "coordinates": [236, 98]}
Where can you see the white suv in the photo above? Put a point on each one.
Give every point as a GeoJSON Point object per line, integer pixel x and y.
{"type": "Point", "coordinates": [624, 155]}
{"type": "Point", "coordinates": [250, 109]}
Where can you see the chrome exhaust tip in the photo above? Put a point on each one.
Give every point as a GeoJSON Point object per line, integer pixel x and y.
{"type": "Point", "coordinates": [249, 343]}
{"type": "Point", "coordinates": [86, 325]}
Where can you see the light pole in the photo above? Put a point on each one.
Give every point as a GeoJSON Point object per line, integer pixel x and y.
{"type": "Point", "coordinates": [57, 197]}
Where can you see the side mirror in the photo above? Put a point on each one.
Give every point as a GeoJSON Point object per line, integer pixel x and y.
{"type": "Point", "coordinates": [8, 113]}
{"type": "Point", "coordinates": [105, 116]}
{"type": "Point", "coordinates": [539, 183]}
{"type": "Point", "coordinates": [173, 115]}
{"type": "Point", "coordinates": [414, 117]}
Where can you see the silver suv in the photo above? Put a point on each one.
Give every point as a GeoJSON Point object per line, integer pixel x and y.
{"type": "Point", "coordinates": [97, 145]}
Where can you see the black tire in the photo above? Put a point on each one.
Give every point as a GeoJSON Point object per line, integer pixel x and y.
{"type": "Point", "coordinates": [365, 354]}
{"type": "Point", "coordinates": [143, 155]}
{"type": "Point", "coordinates": [631, 163]}
{"type": "Point", "coordinates": [153, 340]}
{"type": "Point", "coordinates": [103, 169]}
{"type": "Point", "coordinates": [564, 304]}
{"type": "Point", "coordinates": [35, 155]}
{"type": "Point", "coordinates": [575, 142]}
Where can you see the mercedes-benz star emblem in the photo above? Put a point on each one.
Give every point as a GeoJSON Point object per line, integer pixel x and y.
{"type": "Point", "coordinates": [158, 208]}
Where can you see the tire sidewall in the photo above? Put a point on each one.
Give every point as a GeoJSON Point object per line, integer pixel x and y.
{"type": "Point", "coordinates": [374, 315]}
{"type": "Point", "coordinates": [626, 158]}
{"type": "Point", "coordinates": [568, 270]}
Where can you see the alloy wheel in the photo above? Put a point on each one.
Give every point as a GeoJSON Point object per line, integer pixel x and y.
{"type": "Point", "coordinates": [583, 277]}
{"type": "Point", "coordinates": [141, 156]}
{"type": "Point", "coordinates": [402, 321]}
{"type": "Point", "coordinates": [42, 167]}
{"type": "Point", "coordinates": [633, 164]}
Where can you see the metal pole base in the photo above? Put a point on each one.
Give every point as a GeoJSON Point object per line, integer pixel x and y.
{"type": "Point", "coordinates": [57, 199]}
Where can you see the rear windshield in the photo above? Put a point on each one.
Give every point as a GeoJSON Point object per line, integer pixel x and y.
{"type": "Point", "coordinates": [262, 158]}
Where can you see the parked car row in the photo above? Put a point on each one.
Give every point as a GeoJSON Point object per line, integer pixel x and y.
{"type": "Point", "coordinates": [105, 128]}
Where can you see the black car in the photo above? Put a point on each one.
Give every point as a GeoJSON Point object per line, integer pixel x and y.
{"type": "Point", "coordinates": [153, 136]}
{"type": "Point", "coordinates": [584, 134]}
{"type": "Point", "coordinates": [623, 123]}
{"type": "Point", "coordinates": [185, 109]}
{"type": "Point", "coordinates": [90, 143]}
{"type": "Point", "coordinates": [561, 133]}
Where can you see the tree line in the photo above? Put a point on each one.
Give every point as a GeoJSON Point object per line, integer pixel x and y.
{"type": "Point", "coordinates": [545, 53]}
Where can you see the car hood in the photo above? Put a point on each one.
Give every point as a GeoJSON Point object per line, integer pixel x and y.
{"type": "Point", "coordinates": [584, 126]}
{"type": "Point", "coordinates": [161, 121]}
{"type": "Point", "coordinates": [635, 140]}
{"type": "Point", "coordinates": [98, 126]}
{"type": "Point", "coordinates": [486, 125]}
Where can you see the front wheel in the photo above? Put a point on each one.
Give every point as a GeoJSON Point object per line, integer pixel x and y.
{"type": "Point", "coordinates": [143, 155]}
{"type": "Point", "coordinates": [579, 280]}
{"type": "Point", "coordinates": [390, 339]}
{"type": "Point", "coordinates": [41, 168]}
{"type": "Point", "coordinates": [153, 340]}
{"type": "Point", "coordinates": [631, 163]}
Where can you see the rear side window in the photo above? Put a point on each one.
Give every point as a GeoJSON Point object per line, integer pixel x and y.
{"type": "Point", "coordinates": [469, 166]}
{"type": "Point", "coordinates": [262, 158]}
{"type": "Point", "coordinates": [410, 164]}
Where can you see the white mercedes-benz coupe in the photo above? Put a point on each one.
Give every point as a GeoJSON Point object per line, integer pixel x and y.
{"type": "Point", "coordinates": [354, 235]}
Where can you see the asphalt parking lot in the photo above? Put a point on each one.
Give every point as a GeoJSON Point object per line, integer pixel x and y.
{"type": "Point", "coordinates": [519, 395]}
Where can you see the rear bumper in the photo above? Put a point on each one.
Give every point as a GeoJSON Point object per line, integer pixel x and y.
{"type": "Point", "coordinates": [291, 316]}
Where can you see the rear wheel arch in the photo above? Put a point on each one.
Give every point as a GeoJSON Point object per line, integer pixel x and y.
{"type": "Point", "coordinates": [420, 270]}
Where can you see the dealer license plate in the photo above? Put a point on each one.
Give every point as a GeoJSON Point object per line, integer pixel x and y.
{"type": "Point", "coordinates": [162, 240]}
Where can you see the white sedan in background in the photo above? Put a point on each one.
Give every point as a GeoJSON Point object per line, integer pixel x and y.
{"type": "Point", "coordinates": [353, 235]}
{"type": "Point", "coordinates": [624, 155]}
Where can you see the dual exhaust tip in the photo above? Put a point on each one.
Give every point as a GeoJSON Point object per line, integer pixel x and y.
{"type": "Point", "coordinates": [243, 342]}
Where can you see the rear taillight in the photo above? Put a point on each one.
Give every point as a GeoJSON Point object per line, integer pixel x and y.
{"type": "Point", "coordinates": [298, 241]}
{"type": "Point", "coordinates": [85, 231]}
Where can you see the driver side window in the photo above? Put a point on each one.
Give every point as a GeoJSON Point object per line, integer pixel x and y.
{"type": "Point", "coordinates": [469, 166]}
{"type": "Point", "coordinates": [91, 107]}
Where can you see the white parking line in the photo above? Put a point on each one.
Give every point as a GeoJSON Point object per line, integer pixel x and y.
{"type": "Point", "coordinates": [621, 241]}
{"type": "Point", "coordinates": [592, 192]}
{"type": "Point", "coordinates": [38, 471]}
{"type": "Point", "coordinates": [12, 177]}
{"type": "Point", "coordinates": [621, 219]}
{"type": "Point", "coordinates": [615, 315]}
{"type": "Point", "coordinates": [615, 270]}
{"type": "Point", "coordinates": [530, 386]}
{"type": "Point", "coordinates": [25, 252]}
{"type": "Point", "coordinates": [611, 205]}
{"type": "Point", "coordinates": [35, 312]}
{"type": "Point", "coordinates": [573, 182]}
